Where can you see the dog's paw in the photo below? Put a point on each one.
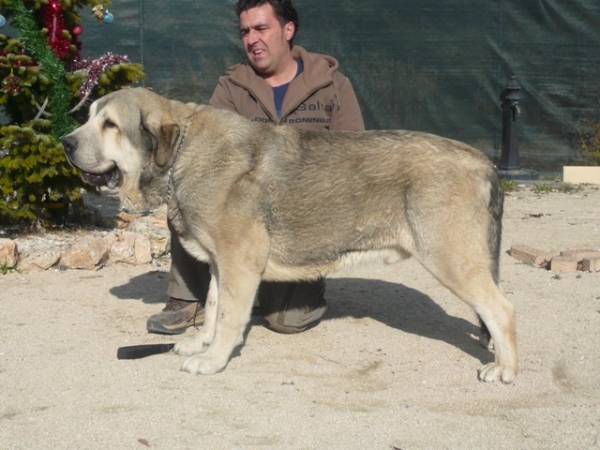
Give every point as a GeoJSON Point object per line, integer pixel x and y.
{"type": "Point", "coordinates": [201, 364]}
{"type": "Point", "coordinates": [190, 346]}
{"type": "Point", "coordinates": [494, 372]}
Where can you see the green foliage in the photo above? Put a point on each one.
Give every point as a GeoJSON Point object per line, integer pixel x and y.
{"type": "Point", "coordinates": [508, 185]}
{"type": "Point", "coordinates": [34, 171]}
{"type": "Point", "coordinates": [45, 96]}
{"type": "Point", "coordinates": [542, 188]}
{"type": "Point", "coordinates": [569, 188]}
{"type": "Point", "coordinates": [588, 152]}
{"type": "Point", "coordinates": [4, 269]}
{"type": "Point", "coordinates": [564, 188]}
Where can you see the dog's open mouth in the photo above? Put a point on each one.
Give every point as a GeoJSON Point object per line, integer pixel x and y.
{"type": "Point", "coordinates": [113, 178]}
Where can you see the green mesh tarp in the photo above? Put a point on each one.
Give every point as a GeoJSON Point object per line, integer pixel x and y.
{"type": "Point", "coordinates": [432, 65]}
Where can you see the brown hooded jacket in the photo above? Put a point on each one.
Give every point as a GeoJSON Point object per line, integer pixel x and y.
{"type": "Point", "coordinates": [320, 98]}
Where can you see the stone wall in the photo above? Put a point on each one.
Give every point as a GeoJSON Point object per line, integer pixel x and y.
{"type": "Point", "coordinates": [134, 239]}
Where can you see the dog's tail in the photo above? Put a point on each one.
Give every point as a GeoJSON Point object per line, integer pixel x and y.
{"type": "Point", "coordinates": [495, 208]}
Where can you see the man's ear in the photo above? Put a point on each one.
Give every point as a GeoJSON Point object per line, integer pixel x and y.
{"type": "Point", "coordinates": [290, 30]}
{"type": "Point", "coordinates": [162, 136]}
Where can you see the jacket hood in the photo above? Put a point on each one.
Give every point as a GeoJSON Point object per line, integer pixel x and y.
{"type": "Point", "coordinates": [318, 70]}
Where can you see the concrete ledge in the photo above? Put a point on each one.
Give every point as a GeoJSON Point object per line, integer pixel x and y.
{"type": "Point", "coordinates": [581, 174]}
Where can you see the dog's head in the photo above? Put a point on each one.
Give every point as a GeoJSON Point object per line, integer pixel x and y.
{"type": "Point", "coordinates": [128, 142]}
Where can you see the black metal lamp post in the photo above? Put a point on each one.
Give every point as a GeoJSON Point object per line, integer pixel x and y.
{"type": "Point", "coordinates": [510, 164]}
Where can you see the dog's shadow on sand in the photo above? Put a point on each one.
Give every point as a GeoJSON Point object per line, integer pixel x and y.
{"type": "Point", "coordinates": [395, 305]}
{"type": "Point", "coordinates": [403, 308]}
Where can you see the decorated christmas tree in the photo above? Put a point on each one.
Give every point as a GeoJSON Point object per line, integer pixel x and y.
{"type": "Point", "coordinates": [46, 87]}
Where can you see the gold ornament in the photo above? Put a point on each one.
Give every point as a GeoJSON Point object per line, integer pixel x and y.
{"type": "Point", "coordinates": [98, 12]}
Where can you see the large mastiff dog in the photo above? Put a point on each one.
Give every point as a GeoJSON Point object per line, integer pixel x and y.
{"type": "Point", "coordinates": [259, 202]}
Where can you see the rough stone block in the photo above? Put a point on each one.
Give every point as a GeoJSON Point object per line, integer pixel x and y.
{"type": "Point", "coordinates": [39, 261]}
{"type": "Point", "coordinates": [580, 254]}
{"type": "Point", "coordinates": [531, 255]}
{"type": "Point", "coordinates": [591, 264]}
{"type": "Point", "coordinates": [122, 249]}
{"type": "Point", "coordinates": [564, 264]}
{"type": "Point", "coordinates": [86, 253]}
{"type": "Point", "coordinates": [9, 253]}
{"type": "Point", "coordinates": [129, 247]}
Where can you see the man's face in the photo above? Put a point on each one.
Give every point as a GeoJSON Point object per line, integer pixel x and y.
{"type": "Point", "coordinates": [265, 40]}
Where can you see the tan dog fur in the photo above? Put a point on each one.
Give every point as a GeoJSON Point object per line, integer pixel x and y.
{"type": "Point", "coordinates": [259, 202]}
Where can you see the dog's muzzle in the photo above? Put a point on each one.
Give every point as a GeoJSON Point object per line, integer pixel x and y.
{"type": "Point", "coordinates": [111, 178]}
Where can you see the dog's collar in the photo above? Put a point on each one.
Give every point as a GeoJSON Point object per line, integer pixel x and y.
{"type": "Point", "coordinates": [170, 172]}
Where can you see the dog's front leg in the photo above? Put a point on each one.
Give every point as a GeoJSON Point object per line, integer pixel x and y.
{"type": "Point", "coordinates": [200, 342]}
{"type": "Point", "coordinates": [237, 288]}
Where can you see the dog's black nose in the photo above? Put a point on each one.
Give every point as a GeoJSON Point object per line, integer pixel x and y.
{"type": "Point", "coordinates": [70, 144]}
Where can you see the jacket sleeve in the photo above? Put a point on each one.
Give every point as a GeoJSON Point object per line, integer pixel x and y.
{"type": "Point", "coordinates": [348, 116]}
{"type": "Point", "coordinates": [222, 97]}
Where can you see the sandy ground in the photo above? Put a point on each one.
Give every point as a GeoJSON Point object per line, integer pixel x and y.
{"type": "Point", "coordinates": [393, 366]}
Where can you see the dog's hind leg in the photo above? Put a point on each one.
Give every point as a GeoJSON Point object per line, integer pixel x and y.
{"type": "Point", "coordinates": [498, 315]}
{"type": "Point", "coordinates": [476, 286]}
{"type": "Point", "coordinates": [200, 342]}
{"type": "Point", "coordinates": [237, 289]}
{"type": "Point", "coordinates": [460, 246]}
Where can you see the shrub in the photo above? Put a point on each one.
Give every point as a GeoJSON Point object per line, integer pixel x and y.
{"type": "Point", "coordinates": [588, 153]}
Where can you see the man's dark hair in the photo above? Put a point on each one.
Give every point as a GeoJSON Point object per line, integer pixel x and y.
{"type": "Point", "coordinates": [284, 11]}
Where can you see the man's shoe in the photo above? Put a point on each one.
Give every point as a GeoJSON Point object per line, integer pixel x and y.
{"type": "Point", "coordinates": [176, 317]}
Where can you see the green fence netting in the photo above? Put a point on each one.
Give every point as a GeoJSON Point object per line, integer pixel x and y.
{"type": "Point", "coordinates": [432, 65]}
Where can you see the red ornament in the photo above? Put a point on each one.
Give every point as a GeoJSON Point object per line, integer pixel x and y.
{"type": "Point", "coordinates": [11, 85]}
{"type": "Point", "coordinates": [77, 30]}
{"type": "Point", "coordinates": [54, 21]}
{"type": "Point", "coordinates": [54, 6]}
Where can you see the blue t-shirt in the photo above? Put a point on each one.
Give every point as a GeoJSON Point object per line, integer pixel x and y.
{"type": "Point", "coordinates": [279, 91]}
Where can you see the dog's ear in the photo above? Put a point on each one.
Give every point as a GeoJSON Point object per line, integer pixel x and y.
{"type": "Point", "coordinates": [167, 139]}
{"type": "Point", "coordinates": [162, 136]}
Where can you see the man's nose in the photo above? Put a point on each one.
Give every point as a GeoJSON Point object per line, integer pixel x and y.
{"type": "Point", "coordinates": [252, 37]}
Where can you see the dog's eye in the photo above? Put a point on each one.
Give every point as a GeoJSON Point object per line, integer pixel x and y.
{"type": "Point", "coordinates": [109, 124]}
